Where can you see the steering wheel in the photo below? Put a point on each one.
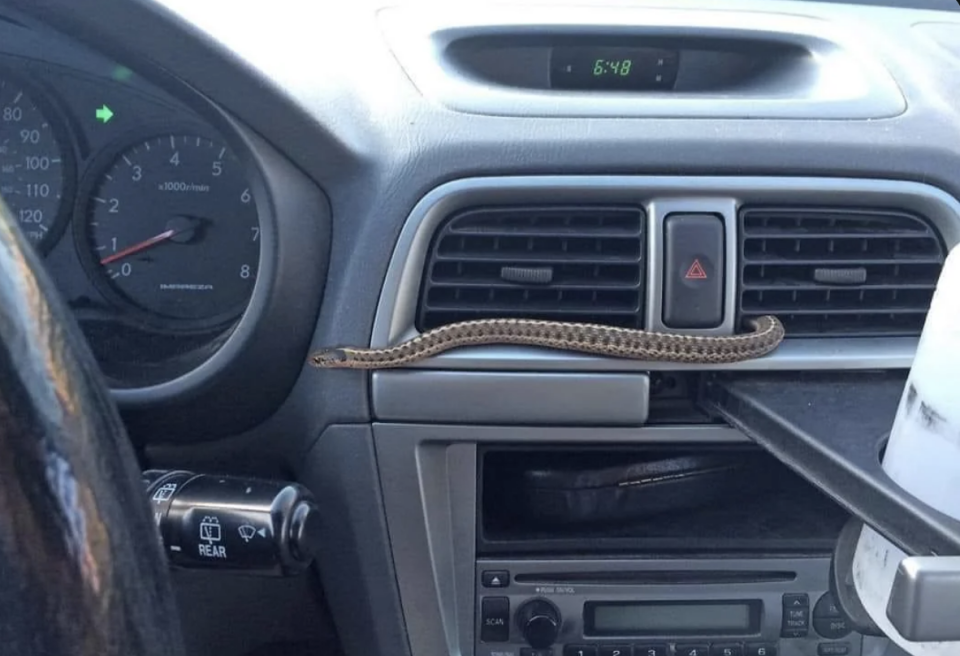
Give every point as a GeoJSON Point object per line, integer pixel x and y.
{"type": "Point", "coordinates": [81, 567]}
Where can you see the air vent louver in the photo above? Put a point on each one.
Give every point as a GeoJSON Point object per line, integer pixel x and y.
{"type": "Point", "coordinates": [842, 272]}
{"type": "Point", "coordinates": [556, 263]}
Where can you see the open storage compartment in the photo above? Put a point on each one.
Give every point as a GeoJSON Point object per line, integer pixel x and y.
{"type": "Point", "coordinates": [651, 498]}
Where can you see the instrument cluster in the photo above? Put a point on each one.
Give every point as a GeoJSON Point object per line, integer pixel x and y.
{"type": "Point", "coordinates": [146, 215]}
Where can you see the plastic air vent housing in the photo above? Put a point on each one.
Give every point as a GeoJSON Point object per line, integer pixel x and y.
{"type": "Point", "coordinates": [561, 263]}
{"type": "Point", "coordinates": [838, 272]}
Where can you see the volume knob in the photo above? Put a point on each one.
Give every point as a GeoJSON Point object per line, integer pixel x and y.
{"type": "Point", "coordinates": [539, 622]}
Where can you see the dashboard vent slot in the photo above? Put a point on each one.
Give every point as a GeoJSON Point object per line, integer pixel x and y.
{"type": "Point", "coordinates": [842, 272]}
{"type": "Point", "coordinates": [578, 263]}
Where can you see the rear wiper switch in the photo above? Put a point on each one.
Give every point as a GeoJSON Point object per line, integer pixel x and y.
{"type": "Point", "coordinates": [233, 523]}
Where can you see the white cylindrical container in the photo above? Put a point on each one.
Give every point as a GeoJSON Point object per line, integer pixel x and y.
{"type": "Point", "coordinates": [923, 453]}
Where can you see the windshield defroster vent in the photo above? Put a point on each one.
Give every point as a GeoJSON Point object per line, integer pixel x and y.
{"type": "Point", "coordinates": [843, 272]}
{"type": "Point", "coordinates": [569, 263]}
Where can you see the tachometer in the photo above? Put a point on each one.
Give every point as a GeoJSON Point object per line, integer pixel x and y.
{"type": "Point", "coordinates": [35, 170]}
{"type": "Point", "coordinates": [171, 229]}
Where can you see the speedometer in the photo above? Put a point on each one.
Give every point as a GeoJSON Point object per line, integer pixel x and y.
{"type": "Point", "coordinates": [171, 230]}
{"type": "Point", "coordinates": [35, 170]}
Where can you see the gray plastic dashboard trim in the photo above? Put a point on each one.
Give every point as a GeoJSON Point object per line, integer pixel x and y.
{"type": "Point", "coordinates": [512, 398]}
{"type": "Point", "coordinates": [397, 306]}
{"type": "Point", "coordinates": [842, 79]}
{"type": "Point", "coordinates": [922, 605]}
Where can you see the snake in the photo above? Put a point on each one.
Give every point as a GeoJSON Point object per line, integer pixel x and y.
{"type": "Point", "coordinates": [766, 334]}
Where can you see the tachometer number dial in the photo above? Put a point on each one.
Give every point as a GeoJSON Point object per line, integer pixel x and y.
{"type": "Point", "coordinates": [34, 171]}
{"type": "Point", "coordinates": [172, 230]}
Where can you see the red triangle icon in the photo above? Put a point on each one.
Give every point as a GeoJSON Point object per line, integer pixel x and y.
{"type": "Point", "coordinates": [696, 272]}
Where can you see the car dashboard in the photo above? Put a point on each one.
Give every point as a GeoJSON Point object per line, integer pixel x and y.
{"type": "Point", "coordinates": [220, 191]}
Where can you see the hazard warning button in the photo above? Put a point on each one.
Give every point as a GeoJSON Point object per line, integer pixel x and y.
{"type": "Point", "coordinates": [693, 247]}
{"type": "Point", "coordinates": [696, 271]}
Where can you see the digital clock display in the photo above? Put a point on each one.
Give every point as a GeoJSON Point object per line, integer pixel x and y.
{"type": "Point", "coordinates": [613, 69]}
{"type": "Point", "coordinates": [620, 67]}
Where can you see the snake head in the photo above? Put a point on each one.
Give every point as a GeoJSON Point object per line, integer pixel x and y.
{"type": "Point", "coordinates": [329, 358]}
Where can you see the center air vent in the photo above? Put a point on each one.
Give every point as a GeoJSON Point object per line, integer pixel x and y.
{"type": "Point", "coordinates": [842, 272]}
{"type": "Point", "coordinates": [574, 263]}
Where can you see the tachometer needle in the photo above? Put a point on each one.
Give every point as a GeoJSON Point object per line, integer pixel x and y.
{"type": "Point", "coordinates": [143, 245]}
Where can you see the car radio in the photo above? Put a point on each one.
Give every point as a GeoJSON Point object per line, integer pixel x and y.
{"type": "Point", "coordinates": [762, 606]}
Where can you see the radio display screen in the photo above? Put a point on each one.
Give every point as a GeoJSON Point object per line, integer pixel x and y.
{"type": "Point", "coordinates": [663, 618]}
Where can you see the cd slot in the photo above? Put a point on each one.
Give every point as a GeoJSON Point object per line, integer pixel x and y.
{"type": "Point", "coordinates": [658, 577]}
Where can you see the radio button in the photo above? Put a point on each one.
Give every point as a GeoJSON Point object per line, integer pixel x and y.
{"type": "Point", "coordinates": [539, 622]}
{"type": "Point", "coordinates": [651, 650]}
{"type": "Point", "coordinates": [726, 650]}
{"type": "Point", "coordinates": [693, 650]}
{"type": "Point", "coordinates": [796, 613]}
{"type": "Point", "coordinates": [827, 607]}
{"type": "Point", "coordinates": [498, 578]}
{"type": "Point", "coordinates": [833, 649]}
{"type": "Point", "coordinates": [796, 616]}
{"type": "Point", "coordinates": [619, 650]}
{"type": "Point", "coordinates": [494, 619]}
{"type": "Point", "coordinates": [831, 627]}
{"type": "Point", "coordinates": [795, 629]}
{"type": "Point", "coordinates": [580, 650]}
{"type": "Point", "coordinates": [796, 601]}
{"type": "Point", "coordinates": [760, 649]}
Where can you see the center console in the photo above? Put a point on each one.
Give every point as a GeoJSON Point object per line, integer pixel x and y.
{"type": "Point", "coordinates": [535, 541]}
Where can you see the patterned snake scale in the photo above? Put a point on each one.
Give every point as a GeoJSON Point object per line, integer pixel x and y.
{"type": "Point", "coordinates": [581, 337]}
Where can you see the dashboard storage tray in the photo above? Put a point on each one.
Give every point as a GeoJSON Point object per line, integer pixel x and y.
{"type": "Point", "coordinates": [698, 498]}
{"type": "Point", "coordinates": [831, 429]}
{"type": "Point", "coordinates": [635, 490]}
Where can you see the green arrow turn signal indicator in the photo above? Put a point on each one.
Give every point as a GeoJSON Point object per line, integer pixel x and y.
{"type": "Point", "coordinates": [104, 114]}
